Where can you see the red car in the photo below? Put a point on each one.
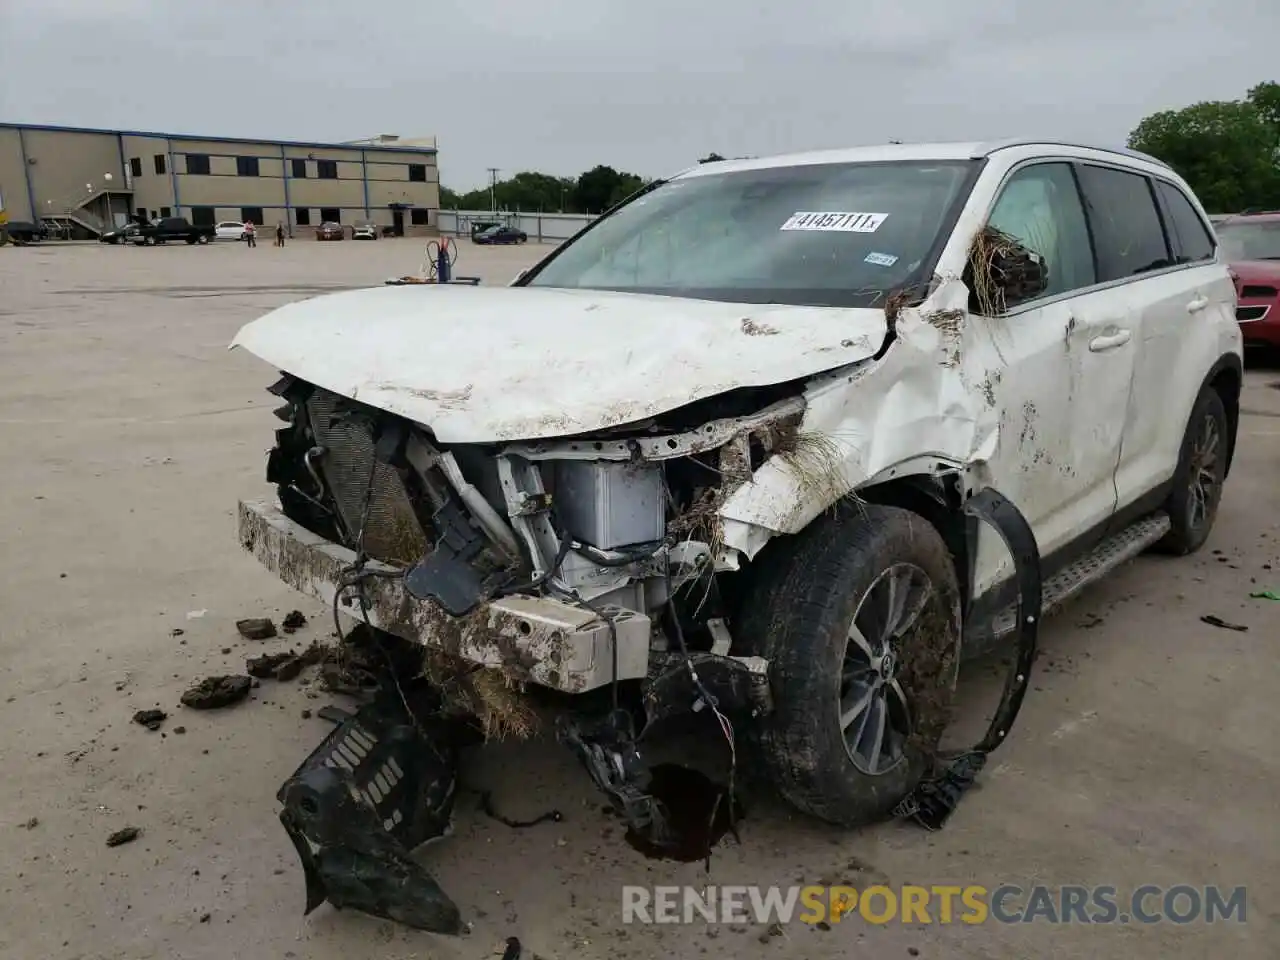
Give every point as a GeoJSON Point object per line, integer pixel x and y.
{"type": "Point", "coordinates": [329, 231]}
{"type": "Point", "coordinates": [1251, 244]}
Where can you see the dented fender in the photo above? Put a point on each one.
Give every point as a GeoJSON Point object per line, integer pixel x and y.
{"type": "Point", "coordinates": [911, 411]}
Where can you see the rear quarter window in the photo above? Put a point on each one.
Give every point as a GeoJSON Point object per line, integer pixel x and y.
{"type": "Point", "coordinates": [1189, 233]}
{"type": "Point", "coordinates": [1127, 232]}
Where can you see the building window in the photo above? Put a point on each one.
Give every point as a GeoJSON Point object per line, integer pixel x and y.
{"type": "Point", "coordinates": [299, 168]}
{"type": "Point", "coordinates": [203, 216]}
{"type": "Point", "coordinates": [420, 218]}
{"type": "Point", "coordinates": [418, 172]}
{"type": "Point", "coordinates": [330, 215]}
{"type": "Point", "coordinates": [198, 164]}
{"type": "Point", "coordinates": [246, 166]}
{"type": "Point", "coordinates": [142, 213]}
{"type": "Point", "coordinates": [327, 169]}
{"type": "Point", "coordinates": [135, 166]}
{"type": "Point", "coordinates": [165, 212]}
{"type": "Point", "coordinates": [253, 215]}
{"type": "Point", "coordinates": [159, 159]}
{"type": "Point", "coordinates": [303, 216]}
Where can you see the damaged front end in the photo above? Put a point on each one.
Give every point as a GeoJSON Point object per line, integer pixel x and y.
{"type": "Point", "coordinates": [593, 566]}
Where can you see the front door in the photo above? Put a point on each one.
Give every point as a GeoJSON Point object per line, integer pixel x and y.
{"type": "Point", "coordinates": [1058, 369]}
{"type": "Point", "coordinates": [397, 222]}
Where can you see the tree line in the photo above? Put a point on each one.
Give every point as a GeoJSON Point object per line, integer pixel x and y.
{"type": "Point", "coordinates": [1227, 150]}
{"type": "Point", "coordinates": [595, 191]}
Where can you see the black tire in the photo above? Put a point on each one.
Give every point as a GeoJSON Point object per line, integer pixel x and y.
{"type": "Point", "coordinates": [202, 239]}
{"type": "Point", "coordinates": [800, 613]}
{"type": "Point", "coordinates": [1202, 468]}
{"type": "Point", "coordinates": [151, 241]}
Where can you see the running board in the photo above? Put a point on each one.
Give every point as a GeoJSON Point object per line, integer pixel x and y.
{"type": "Point", "coordinates": [1093, 566]}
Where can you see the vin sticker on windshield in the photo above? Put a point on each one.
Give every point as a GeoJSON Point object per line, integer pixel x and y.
{"type": "Point", "coordinates": [835, 221]}
{"type": "Point", "coordinates": [881, 259]}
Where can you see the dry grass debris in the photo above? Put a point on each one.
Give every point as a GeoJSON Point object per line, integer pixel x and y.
{"type": "Point", "coordinates": [498, 702]}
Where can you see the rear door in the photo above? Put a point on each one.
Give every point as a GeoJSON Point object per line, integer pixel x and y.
{"type": "Point", "coordinates": [1153, 241]}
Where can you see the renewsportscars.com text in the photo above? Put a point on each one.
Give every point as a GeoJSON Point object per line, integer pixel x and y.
{"type": "Point", "coordinates": [972, 904]}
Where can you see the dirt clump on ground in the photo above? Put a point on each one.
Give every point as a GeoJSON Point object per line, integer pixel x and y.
{"type": "Point", "coordinates": [123, 836]}
{"type": "Point", "coordinates": [212, 693]}
{"type": "Point", "coordinates": [256, 628]}
{"type": "Point", "coordinates": [151, 719]}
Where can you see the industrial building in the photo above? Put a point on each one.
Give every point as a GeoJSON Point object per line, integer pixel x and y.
{"type": "Point", "coordinates": [87, 181]}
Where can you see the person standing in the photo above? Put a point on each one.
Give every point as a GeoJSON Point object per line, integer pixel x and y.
{"type": "Point", "coordinates": [279, 233]}
{"type": "Point", "coordinates": [250, 234]}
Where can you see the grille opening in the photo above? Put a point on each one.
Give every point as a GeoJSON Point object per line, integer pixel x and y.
{"type": "Point", "coordinates": [1256, 292]}
{"type": "Point", "coordinates": [1248, 314]}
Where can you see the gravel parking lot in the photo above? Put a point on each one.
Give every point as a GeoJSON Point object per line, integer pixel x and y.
{"type": "Point", "coordinates": [1146, 754]}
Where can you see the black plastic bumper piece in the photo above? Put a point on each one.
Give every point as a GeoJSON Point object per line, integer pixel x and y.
{"type": "Point", "coordinates": [936, 797]}
{"type": "Point", "coordinates": [375, 788]}
{"type": "Point", "coordinates": [607, 748]}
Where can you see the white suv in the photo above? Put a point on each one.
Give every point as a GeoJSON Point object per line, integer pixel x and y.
{"type": "Point", "coordinates": [797, 431]}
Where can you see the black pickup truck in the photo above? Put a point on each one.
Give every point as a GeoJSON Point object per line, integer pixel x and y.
{"type": "Point", "coordinates": [171, 230]}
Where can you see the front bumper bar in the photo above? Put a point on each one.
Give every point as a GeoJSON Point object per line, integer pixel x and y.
{"type": "Point", "coordinates": [540, 640]}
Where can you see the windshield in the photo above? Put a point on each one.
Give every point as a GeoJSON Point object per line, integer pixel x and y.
{"type": "Point", "coordinates": [1259, 240]}
{"type": "Point", "coordinates": [821, 235]}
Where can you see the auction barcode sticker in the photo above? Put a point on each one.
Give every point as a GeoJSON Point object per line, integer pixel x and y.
{"type": "Point", "coordinates": [835, 221]}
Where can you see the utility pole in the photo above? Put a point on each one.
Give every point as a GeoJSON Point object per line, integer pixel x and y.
{"type": "Point", "coordinates": [493, 182]}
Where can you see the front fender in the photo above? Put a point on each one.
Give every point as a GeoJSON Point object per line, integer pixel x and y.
{"type": "Point", "coordinates": [909, 412]}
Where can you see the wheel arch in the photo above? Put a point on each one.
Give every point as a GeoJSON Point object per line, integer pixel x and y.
{"type": "Point", "coordinates": [1226, 379]}
{"type": "Point", "coordinates": [937, 499]}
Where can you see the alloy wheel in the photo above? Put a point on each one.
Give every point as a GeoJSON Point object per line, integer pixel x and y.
{"type": "Point", "coordinates": [875, 714]}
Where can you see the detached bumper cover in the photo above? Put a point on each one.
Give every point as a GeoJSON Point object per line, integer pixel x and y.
{"type": "Point", "coordinates": [537, 639]}
{"type": "Point", "coordinates": [377, 787]}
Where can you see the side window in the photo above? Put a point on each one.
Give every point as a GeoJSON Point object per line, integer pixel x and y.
{"type": "Point", "coordinates": [1194, 241]}
{"type": "Point", "coordinates": [1126, 224]}
{"type": "Point", "coordinates": [1040, 206]}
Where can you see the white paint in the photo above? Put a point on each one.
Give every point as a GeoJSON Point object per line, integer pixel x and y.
{"type": "Point", "coordinates": [876, 417]}
{"type": "Point", "coordinates": [479, 364]}
{"type": "Point", "coordinates": [961, 391]}
{"type": "Point", "coordinates": [834, 221]}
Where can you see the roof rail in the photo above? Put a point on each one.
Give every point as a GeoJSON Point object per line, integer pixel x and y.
{"type": "Point", "coordinates": [986, 149]}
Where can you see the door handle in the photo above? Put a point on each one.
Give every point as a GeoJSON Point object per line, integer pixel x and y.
{"type": "Point", "coordinates": [1109, 341]}
{"type": "Point", "coordinates": [1198, 304]}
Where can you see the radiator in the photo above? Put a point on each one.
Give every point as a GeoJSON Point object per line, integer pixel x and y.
{"type": "Point", "coordinates": [392, 532]}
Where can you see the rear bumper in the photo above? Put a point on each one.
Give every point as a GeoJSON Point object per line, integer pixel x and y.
{"type": "Point", "coordinates": [540, 640]}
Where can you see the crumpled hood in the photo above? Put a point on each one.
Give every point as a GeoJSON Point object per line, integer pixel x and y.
{"type": "Point", "coordinates": [479, 364]}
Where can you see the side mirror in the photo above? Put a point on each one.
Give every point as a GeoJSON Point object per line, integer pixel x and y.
{"type": "Point", "coordinates": [1002, 272]}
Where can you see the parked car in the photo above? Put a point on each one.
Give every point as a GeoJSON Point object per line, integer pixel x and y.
{"type": "Point", "coordinates": [171, 230]}
{"type": "Point", "coordinates": [802, 431]}
{"type": "Point", "coordinates": [329, 231]}
{"type": "Point", "coordinates": [119, 235]}
{"type": "Point", "coordinates": [365, 231]}
{"type": "Point", "coordinates": [1251, 244]}
{"type": "Point", "coordinates": [500, 234]}
{"type": "Point", "coordinates": [22, 232]}
{"type": "Point", "coordinates": [479, 226]}
{"type": "Point", "coordinates": [229, 230]}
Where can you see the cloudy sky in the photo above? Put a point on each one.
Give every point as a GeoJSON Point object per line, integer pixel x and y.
{"type": "Point", "coordinates": [644, 85]}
